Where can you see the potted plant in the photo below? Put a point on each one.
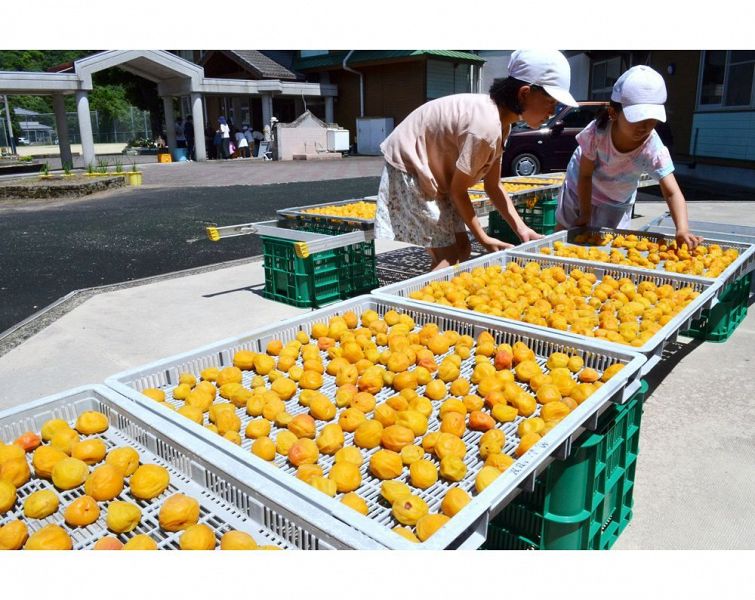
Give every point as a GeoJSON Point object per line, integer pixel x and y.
{"type": "Point", "coordinates": [44, 172]}
{"type": "Point", "coordinates": [67, 170]}
{"type": "Point", "coordinates": [102, 166]}
{"type": "Point", "coordinates": [90, 170]}
{"type": "Point", "coordinates": [119, 169]}
{"type": "Point", "coordinates": [134, 177]}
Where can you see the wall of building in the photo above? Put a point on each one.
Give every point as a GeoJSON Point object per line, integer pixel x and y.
{"type": "Point", "coordinates": [392, 90]}
{"type": "Point", "coordinates": [580, 77]}
{"type": "Point", "coordinates": [682, 92]}
{"type": "Point", "coordinates": [729, 134]}
{"type": "Point", "coordinates": [445, 77]}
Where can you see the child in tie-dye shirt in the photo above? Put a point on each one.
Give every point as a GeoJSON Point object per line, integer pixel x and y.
{"type": "Point", "coordinates": [614, 150]}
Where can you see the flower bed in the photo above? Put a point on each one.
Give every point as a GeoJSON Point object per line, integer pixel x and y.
{"type": "Point", "coordinates": [58, 186]}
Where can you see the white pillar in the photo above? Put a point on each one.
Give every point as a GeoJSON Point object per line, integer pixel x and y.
{"type": "Point", "coordinates": [61, 124]}
{"type": "Point", "coordinates": [329, 118]}
{"type": "Point", "coordinates": [197, 116]}
{"type": "Point", "coordinates": [170, 121]}
{"type": "Point", "coordinates": [85, 128]}
{"type": "Point", "coordinates": [267, 109]}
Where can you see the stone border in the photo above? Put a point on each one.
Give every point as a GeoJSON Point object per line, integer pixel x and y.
{"type": "Point", "coordinates": [64, 190]}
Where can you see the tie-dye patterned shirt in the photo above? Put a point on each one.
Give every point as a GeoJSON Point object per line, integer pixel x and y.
{"type": "Point", "coordinates": [616, 174]}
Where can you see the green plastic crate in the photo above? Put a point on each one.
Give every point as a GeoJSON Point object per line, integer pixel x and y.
{"type": "Point", "coordinates": [359, 269]}
{"type": "Point", "coordinates": [321, 278]}
{"type": "Point", "coordinates": [358, 261]}
{"type": "Point", "coordinates": [584, 502]}
{"type": "Point", "coordinates": [311, 281]}
{"type": "Point", "coordinates": [718, 323]}
{"type": "Point", "coordinates": [540, 218]}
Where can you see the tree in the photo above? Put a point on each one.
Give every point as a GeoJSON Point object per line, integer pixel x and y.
{"type": "Point", "coordinates": [138, 92]}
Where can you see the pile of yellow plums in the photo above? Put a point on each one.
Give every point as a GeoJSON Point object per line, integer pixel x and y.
{"type": "Point", "coordinates": [705, 260]}
{"type": "Point", "coordinates": [360, 210]}
{"type": "Point", "coordinates": [617, 310]}
{"type": "Point", "coordinates": [432, 416]}
{"type": "Point", "coordinates": [523, 184]}
{"type": "Point", "coordinates": [67, 478]}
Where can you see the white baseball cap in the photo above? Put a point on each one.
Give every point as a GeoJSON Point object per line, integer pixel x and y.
{"type": "Point", "coordinates": [547, 68]}
{"type": "Point", "coordinates": [641, 92]}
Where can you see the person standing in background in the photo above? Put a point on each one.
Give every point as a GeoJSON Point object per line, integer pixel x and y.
{"type": "Point", "coordinates": [242, 144]}
{"type": "Point", "coordinates": [225, 138]}
{"type": "Point", "coordinates": [189, 135]}
{"type": "Point", "coordinates": [180, 137]}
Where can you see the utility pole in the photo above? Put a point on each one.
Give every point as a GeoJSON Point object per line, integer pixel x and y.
{"type": "Point", "coordinates": [11, 139]}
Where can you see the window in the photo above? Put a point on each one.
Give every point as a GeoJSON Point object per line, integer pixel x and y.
{"type": "Point", "coordinates": [581, 117]}
{"type": "Point", "coordinates": [604, 75]}
{"type": "Point", "coordinates": [714, 68]}
{"type": "Point", "coordinates": [727, 78]}
{"type": "Point", "coordinates": [308, 53]}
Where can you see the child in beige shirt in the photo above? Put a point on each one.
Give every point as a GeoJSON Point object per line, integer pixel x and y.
{"type": "Point", "coordinates": [447, 145]}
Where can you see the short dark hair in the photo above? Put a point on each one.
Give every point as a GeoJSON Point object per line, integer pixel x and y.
{"type": "Point", "coordinates": [505, 92]}
{"type": "Point", "coordinates": [602, 117]}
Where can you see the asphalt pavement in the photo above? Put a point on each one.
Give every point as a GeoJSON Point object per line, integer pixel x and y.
{"type": "Point", "coordinates": [49, 251]}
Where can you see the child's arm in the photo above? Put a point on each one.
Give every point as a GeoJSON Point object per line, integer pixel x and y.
{"type": "Point", "coordinates": [505, 206]}
{"type": "Point", "coordinates": [460, 183]}
{"type": "Point", "coordinates": [678, 207]}
{"type": "Point", "coordinates": [584, 191]}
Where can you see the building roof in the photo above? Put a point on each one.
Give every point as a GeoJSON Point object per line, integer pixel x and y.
{"type": "Point", "coordinates": [256, 62]}
{"type": "Point", "coordinates": [36, 125]}
{"type": "Point", "coordinates": [335, 58]}
{"type": "Point", "coordinates": [24, 111]}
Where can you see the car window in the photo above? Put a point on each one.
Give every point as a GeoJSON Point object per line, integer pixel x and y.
{"type": "Point", "coordinates": [580, 117]}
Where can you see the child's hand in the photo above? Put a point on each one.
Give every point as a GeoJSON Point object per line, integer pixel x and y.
{"type": "Point", "coordinates": [492, 244]}
{"type": "Point", "coordinates": [527, 235]}
{"type": "Point", "coordinates": [685, 237]}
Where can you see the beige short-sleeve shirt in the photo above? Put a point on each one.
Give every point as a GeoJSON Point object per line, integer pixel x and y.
{"type": "Point", "coordinates": [461, 131]}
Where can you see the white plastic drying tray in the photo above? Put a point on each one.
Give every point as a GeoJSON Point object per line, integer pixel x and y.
{"type": "Point", "coordinates": [744, 263]}
{"type": "Point", "coordinates": [300, 213]}
{"type": "Point", "coordinates": [469, 527]}
{"type": "Point", "coordinates": [230, 498]}
{"type": "Point", "coordinates": [652, 349]}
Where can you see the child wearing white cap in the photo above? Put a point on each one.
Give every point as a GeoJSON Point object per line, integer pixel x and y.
{"type": "Point", "coordinates": [614, 150]}
{"type": "Point", "coordinates": [447, 145]}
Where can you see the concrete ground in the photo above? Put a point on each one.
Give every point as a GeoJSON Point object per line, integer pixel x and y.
{"type": "Point", "coordinates": [694, 486]}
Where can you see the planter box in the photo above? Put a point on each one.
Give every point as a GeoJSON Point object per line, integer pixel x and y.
{"type": "Point", "coordinates": [133, 178]}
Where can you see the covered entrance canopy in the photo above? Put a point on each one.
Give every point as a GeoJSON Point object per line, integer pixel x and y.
{"type": "Point", "coordinates": [174, 76]}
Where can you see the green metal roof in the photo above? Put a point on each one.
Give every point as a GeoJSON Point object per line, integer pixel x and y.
{"type": "Point", "coordinates": [335, 57]}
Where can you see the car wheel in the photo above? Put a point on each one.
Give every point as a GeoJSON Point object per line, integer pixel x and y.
{"type": "Point", "coordinates": [525, 164]}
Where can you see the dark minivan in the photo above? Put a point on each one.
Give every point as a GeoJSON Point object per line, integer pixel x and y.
{"type": "Point", "coordinates": [549, 148]}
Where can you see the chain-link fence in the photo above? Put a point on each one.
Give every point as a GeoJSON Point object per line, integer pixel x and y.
{"type": "Point", "coordinates": [40, 128]}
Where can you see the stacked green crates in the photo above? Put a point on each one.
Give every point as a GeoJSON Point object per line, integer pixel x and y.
{"type": "Point", "coordinates": [540, 217]}
{"type": "Point", "coordinates": [584, 502]}
{"type": "Point", "coordinates": [320, 278]}
{"type": "Point", "coordinates": [718, 323]}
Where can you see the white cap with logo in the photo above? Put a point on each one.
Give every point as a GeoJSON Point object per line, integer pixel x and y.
{"type": "Point", "coordinates": [548, 69]}
{"type": "Point", "coordinates": [641, 92]}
